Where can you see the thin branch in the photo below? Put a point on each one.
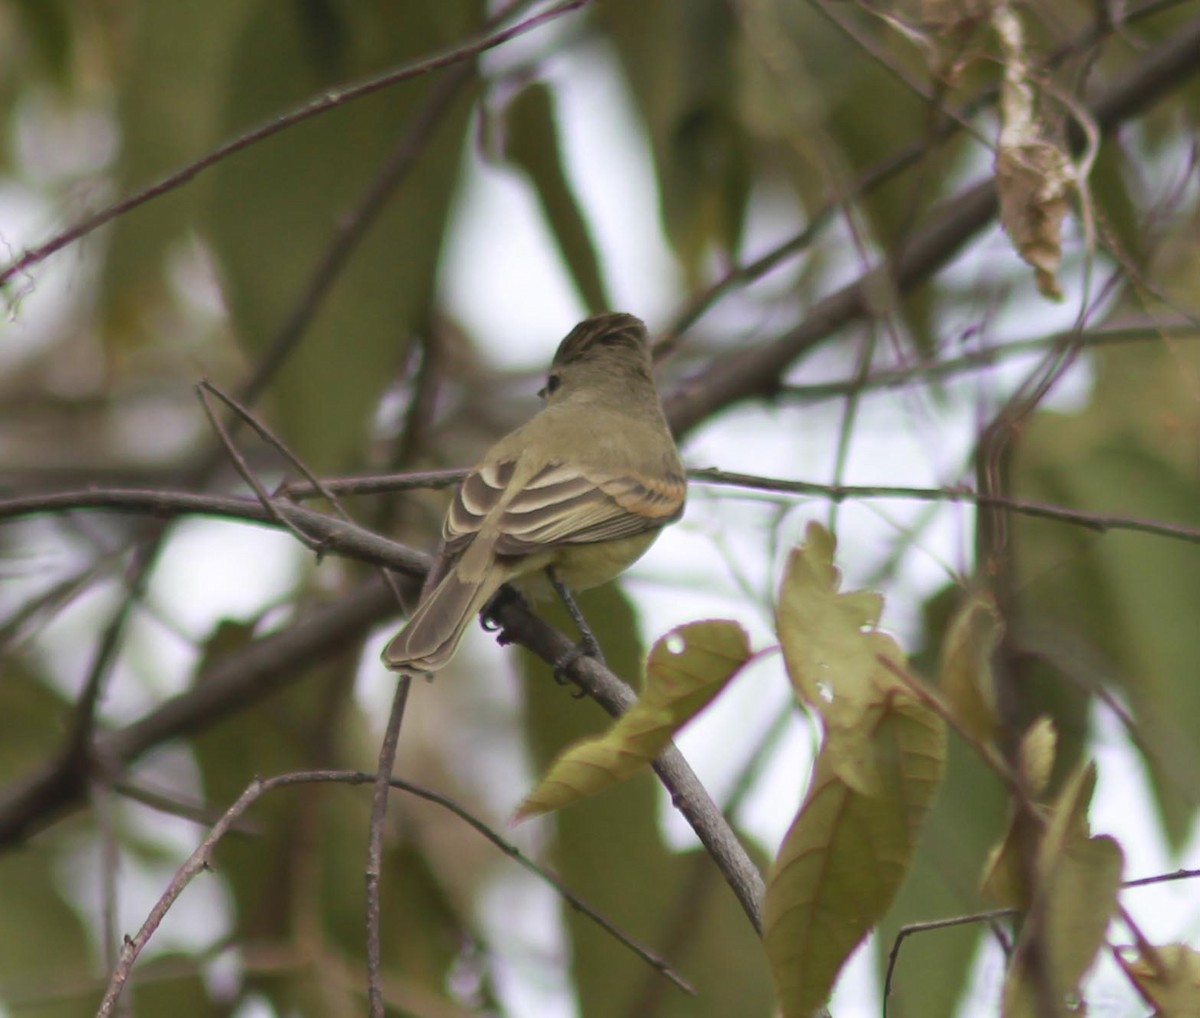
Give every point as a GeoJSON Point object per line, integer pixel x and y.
{"type": "Point", "coordinates": [1099, 522]}
{"type": "Point", "coordinates": [345, 537]}
{"type": "Point", "coordinates": [1162, 878]}
{"type": "Point", "coordinates": [54, 788]}
{"type": "Point", "coordinates": [269, 436]}
{"type": "Point", "coordinates": [231, 683]}
{"type": "Point", "coordinates": [374, 871]}
{"type": "Point", "coordinates": [926, 927]}
{"type": "Point", "coordinates": [200, 860]}
{"type": "Point", "coordinates": [744, 374]}
{"type": "Point", "coordinates": [322, 104]}
{"type": "Point", "coordinates": [353, 541]}
{"type": "Point", "coordinates": [196, 862]}
{"type": "Point", "coordinates": [934, 370]}
{"type": "Point", "coordinates": [203, 390]}
{"type": "Point", "coordinates": [688, 795]}
{"type": "Point", "coordinates": [379, 484]}
{"type": "Point", "coordinates": [79, 738]}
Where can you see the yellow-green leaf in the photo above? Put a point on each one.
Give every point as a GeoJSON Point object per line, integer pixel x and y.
{"type": "Point", "coordinates": [686, 669]}
{"type": "Point", "coordinates": [847, 852]}
{"type": "Point", "coordinates": [832, 651]}
{"type": "Point", "coordinates": [965, 672]}
{"type": "Point", "coordinates": [273, 212]}
{"type": "Point", "coordinates": [1068, 823]}
{"type": "Point", "coordinates": [1005, 877]}
{"type": "Point", "coordinates": [1037, 755]}
{"type": "Point", "coordinates": [683, 60]}
{"type": "Point", "coordinates": [1171, 980]}
{"type": "Point", "coordinates": [720, 953]}
{"type": "Point", "coordinates": [1080, 894]}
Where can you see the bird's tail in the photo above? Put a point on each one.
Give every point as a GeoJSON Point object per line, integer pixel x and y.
{"type": "Point", "coordinates": [432, 634]}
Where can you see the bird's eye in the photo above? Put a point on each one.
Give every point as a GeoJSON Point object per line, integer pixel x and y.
{"type": "Point", "coordinates": [552, 384]}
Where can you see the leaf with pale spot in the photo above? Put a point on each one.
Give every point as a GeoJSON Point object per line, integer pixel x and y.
{"type": "Point", "coordinates": [687, 668]}
{"type": "Point", "coordinates": [833, 651]}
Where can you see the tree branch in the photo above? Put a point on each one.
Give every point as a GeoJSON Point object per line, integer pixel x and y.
{"type": "Point", "coordinates": [322, 104]}
{"type": "Point", "coordinates": [756, 372]}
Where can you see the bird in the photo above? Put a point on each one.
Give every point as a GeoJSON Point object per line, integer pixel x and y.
{"type": "Point", "coordinates": [565, 502]}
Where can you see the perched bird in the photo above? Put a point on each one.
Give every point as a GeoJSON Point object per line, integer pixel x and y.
{"type": "Point", "coordinates": [575, 495]}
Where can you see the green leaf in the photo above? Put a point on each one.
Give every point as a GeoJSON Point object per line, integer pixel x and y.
{"type": "Point", "coordinates": [609, 849]}
{"type": "Point", "coordinates": [1037, 755]}
{"type": "Point", "coordinates": [49, 28]}
{"type": "Point", "coordinates": [1005, 878]}
{"type": "Point", "coordinates": [177, 60]}
{"type": "Point", "coordinates": [46, 945]}
{"type": "Point", "coordinates": [965, 671]}
{"type": "Point", "coordinates": [35, 714]}
{"type": "Point", "coordinates": [1068, 821]}
{"type": "Point", "coordinates": [687, 668]}
{"type": "Point", "coordinates": [683, 59]}
{"type": "Point", "coordinates": [1075, 883]}
{"type": "Point", "coordinates": [1118, 608]}
{"type": "Point", "coordinates": [158, 988]}
{"type": "Point", "coordinates": [933, 967]}
{"type": "Point", "coordinates": [274, 209]}
{"type": "Point", "coordinates": [971, 811]}
{"type": "Point", "coordinates": [833, 651]}
{"type": "Point", "coordinates": [1170, 980]}
{"type": "Point", "coordinates": [1081, 895]}
{"type": "Point", "coordinates": [847, 852]}
{"type": "Point", "coordinates": [531, 142]}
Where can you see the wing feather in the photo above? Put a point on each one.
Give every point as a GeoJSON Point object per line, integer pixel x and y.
{"type": "Point", "coordinates": [561, 504]}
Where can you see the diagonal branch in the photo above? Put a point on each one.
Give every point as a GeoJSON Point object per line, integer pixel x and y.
{"type": "Point", "coordinates": [322, 104]}
{"type": "Point", "coordinates": [757, 372]}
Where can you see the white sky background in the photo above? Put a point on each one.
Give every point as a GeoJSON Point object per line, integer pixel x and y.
{"type": "Point", "coordinates": [504, 282]}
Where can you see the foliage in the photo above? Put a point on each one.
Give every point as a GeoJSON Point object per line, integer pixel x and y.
{"type": "Point", "coordinates": [857, 212]}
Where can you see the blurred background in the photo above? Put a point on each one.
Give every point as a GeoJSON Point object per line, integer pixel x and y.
{"type": "Point", "coordinates": [800, 200]}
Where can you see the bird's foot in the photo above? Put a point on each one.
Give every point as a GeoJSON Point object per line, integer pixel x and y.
{"type": "Point", "coordinates": [487, 618]}
{"type": "Point", "coordinates": [586, 647]}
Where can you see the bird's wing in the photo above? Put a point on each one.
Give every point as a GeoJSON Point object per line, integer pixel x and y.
{"type": "Point", "coordinates": [562, 504]}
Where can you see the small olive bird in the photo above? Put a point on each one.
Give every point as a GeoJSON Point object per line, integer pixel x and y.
{"type": "Point", "coordinates": [575, 495]}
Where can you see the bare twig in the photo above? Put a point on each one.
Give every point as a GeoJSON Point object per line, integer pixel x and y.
{"type": "Point", "coordinates": [1099, 522]}
{"type": "Point", "coordinates": [935, 924]}
{"type": "Point", "coordinates": [322, 104]}
{"type": "Point", "coordinates": [990, 917]}
{"type": "Point", "coordinates": [269, 436]}
{"type": "Point", "coordinates": [353, 541]}
{"type": "Point", "coordinates": [932, 370]}
{"type": "Point", "coordinates": [688, 795]}
{"type": "Point", "coordinates": [374, 871]}
{"type": "Point", "coordinates": [203, 389]}
{"type": "Point", "coordinates": [755, 372]}
{"type": "Point", "coordinates": [199, 861]}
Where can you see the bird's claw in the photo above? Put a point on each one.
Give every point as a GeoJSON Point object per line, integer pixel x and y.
{"type": "Point", "coordinates": [586, 647]}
